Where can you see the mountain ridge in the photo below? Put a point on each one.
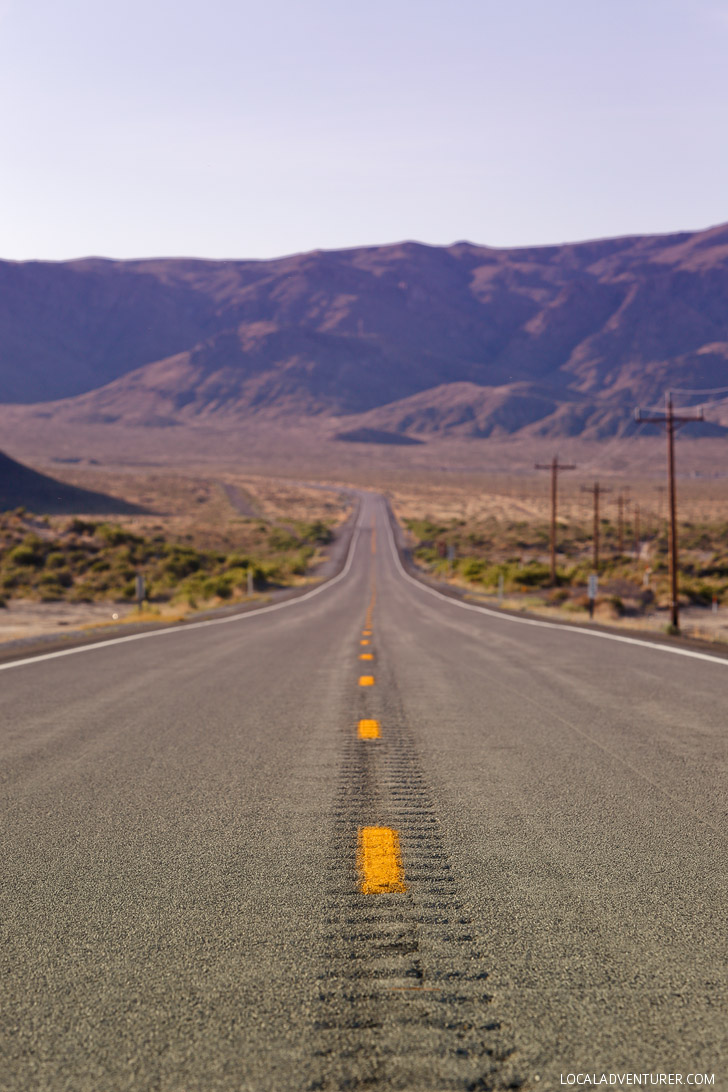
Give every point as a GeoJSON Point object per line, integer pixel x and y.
{"type": "Point", "coordinates": [408, 339]}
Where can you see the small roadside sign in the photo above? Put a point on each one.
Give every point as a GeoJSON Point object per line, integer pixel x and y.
{"type": "Point", "coordinates": [592, 592]}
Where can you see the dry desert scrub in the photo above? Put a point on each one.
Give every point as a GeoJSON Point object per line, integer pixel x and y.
{"type": "Point", "coordinates": [484, 540]}
{"type": "Point", "coordinates": [194, 549]}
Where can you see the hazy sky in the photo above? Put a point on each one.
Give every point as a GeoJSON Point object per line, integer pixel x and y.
{"type": "Point", "coordinates": [227, 128]}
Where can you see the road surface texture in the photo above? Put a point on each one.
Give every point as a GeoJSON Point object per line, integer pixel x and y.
{"type": "Point", "coordinates": [215, 879]}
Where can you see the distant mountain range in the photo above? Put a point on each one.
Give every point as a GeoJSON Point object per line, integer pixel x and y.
{"type": "Point", "coordinates": [405, 341]}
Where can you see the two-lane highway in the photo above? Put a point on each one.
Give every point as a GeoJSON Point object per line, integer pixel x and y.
{"type": "Point", "coordinates": [240, 857]}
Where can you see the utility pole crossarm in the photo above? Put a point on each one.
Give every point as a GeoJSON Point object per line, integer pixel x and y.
{"type": "Point", "coordinates": [677, 419]}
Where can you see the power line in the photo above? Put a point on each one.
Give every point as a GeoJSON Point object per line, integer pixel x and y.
{"type": "Point", "coordinates": [618, 442]}
{"type": "Point", "coordinates": [703, 390]}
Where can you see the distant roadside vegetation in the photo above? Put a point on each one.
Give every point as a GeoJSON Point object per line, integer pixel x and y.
{"type": "Point", "coordinates": [86, 560]}
{"type": "Point", "coordinates": [484, 553]}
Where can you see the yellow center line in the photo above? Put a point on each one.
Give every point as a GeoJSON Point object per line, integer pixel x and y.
{"type": "Point", "coordinates": [366, 633]}
{"type": "Point", "coordinates": [379, 861]}
{"type": "Point", "coordinates": [366, 642]}
{"type": "Point", "coordinates": [366, 680]}
{"type": "Point", "coordinates": [366, 655]}
{"type": "Point", "coordinates": [369, 729]}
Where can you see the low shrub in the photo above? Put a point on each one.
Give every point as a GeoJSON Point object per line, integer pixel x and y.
{"type": "Point", "coordinates": [29, 552]}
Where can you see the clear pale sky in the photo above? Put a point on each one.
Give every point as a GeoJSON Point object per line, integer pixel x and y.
{"type": "Point", "coordinates": [230, 128]}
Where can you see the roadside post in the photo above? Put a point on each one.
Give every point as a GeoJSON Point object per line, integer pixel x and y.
{"type": "Point", "coordinates": [140, 590]}
{"type": "Point", "coordinates": [451, 556]}
{"type": "Point", "coordinates": [592, 592]}
{"type": "Point", "coordinates": [500, 587]}
{"type": "Point", "coordinates": [251, 586]}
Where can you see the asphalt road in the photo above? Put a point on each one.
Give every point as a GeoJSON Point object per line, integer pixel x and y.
{"type": "Point", "coordinates": [182, 903]}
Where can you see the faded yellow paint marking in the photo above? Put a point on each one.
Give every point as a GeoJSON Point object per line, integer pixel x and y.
{"type": "Point", "coordinates": [366, 655]}
{"type": "Point", "coordinates": [374, 540]}
{"type": "Point", "coordinates": [366, 680]}
{"type": "Point", "coordinates": [366, 642]}
{"type": "Point", "coordinates": [379, 861]}
{"type": "Point", "coordinates": [369, 729]}
{"type": "Point", "coordinates": [366, 633]}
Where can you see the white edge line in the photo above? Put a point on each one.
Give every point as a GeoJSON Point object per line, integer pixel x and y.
{"type": "Point", "coordinates": [503, 617]}
{"type": "Point", "coordinates": [255, 613]}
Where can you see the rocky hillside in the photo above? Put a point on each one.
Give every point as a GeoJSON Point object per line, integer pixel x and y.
{"type": "Point", "coordinates": [22, 487]}
{"type": "Point", "coordinates": [406, 340]}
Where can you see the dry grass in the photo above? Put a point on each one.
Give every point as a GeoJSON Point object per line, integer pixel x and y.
{"type": "Point", "coordinates": [510, 498]}
{"type": "Point", "coordinates": [198, 508]}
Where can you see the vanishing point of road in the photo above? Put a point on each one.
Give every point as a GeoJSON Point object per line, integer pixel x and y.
{"type": "Point", "coordinates": [371, 838]}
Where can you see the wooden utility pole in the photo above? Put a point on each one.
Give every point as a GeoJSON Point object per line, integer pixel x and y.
{"type": "Point", "coordinates": [637, 531]}
{"type": "Point", "coordinates": [555, 467]}
{"type": "Point", "coordinates": [622, 499]}
{"type": "Point", "coordinates": [669, 420]}
{"type": "Point", "coordinates": [596, 491]}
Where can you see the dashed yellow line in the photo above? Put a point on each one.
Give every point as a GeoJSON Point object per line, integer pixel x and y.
{"type": "Point", "coordinates": [366, 633]}
{"type": "Point", "coordinates": [366, 655]}
{"type": "Point", "coordinates": [366, 680]}
{"type": "Point", "coordinates": [374, 540]}
{"type": "Point", "coordinates": [369, 729]}
{"type": "Point", "coordinates": [365, 642]}
{"type": "Point", "coordinates": [379, 861]}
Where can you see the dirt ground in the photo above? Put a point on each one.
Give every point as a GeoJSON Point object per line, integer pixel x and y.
{"type": "Point", "coordinates": [509, 497]}
{"type": "Point", "coordinates": [25, 618]}
{"type": "Point", "coordinates": [698, 622]}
